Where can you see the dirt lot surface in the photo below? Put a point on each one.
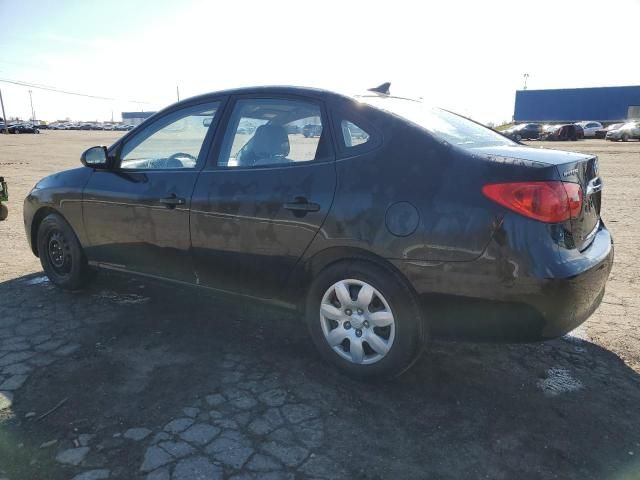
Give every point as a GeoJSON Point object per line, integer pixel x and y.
{"type": "Point", "coordinates": [134, 380]}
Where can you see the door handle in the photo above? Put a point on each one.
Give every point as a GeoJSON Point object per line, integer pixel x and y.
{"type": "Point", "coordinates": [301, 206]}
{"type": "Point", "coordinates": [172, 201]}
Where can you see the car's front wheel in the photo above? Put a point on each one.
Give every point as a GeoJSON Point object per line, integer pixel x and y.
{"type": "Point", "coordinates": [61, 254]}
{"type": "Point", "coordinates": [365, 320]}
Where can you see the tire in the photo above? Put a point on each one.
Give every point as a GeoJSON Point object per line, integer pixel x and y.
{"type": "Point", "coordinates": [61, 254]}
{"type": "Point", "coordinates": [518, 137]}
{"type": "Point", "coordinates": [625, 137]}
{"type": "Point", "coordinates": [4, 212]}
{"type": "Point", "coordinates": [403, 339]}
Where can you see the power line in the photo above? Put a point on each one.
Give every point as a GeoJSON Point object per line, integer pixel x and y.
{"type": "Point", "coordinates": [66, 92]}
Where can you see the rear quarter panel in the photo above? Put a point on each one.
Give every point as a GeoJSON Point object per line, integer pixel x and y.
{"type": "Point", "coordinates": [441, 183]}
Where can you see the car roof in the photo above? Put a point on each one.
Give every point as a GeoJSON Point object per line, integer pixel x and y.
{"type": "Point", "coordinates": [267, 90]}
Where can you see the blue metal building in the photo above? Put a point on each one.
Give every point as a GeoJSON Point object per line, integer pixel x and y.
{"type": "Point", "coordinates": [604, 104]}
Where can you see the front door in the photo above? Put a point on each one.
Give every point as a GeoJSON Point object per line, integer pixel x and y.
{"type": "Point", "coordinates": [137, 214]}
{"type": "Point", "coordinates": [259, 206]}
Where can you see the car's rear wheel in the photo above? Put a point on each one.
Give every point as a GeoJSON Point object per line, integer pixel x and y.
{"type": "Point", "coordinates": [61, 254]}
{"type": "Point", "coordinates": [4, 212]}
{"type": "Point", "coordinates": [365, 320]}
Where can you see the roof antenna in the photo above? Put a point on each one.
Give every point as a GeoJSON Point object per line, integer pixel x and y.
{"type": "Point", "coordinates": [383, 89]}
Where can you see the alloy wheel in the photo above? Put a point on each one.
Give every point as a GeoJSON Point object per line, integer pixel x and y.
{"type": "Point", "coordinates": [357, 321]}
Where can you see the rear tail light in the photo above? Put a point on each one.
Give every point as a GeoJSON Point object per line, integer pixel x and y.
{"type": "Point", "coordinates": [549, 202]}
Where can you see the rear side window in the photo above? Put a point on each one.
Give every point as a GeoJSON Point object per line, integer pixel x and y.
{"type": "Point", "coordinates": [353, 135]}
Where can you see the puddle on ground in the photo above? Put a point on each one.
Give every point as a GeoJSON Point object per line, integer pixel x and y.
{"type": "Point", "coordinates": [121, 298]}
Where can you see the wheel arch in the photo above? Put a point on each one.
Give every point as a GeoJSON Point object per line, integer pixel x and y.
{"type": "Point", "coordinates": [40, 215]}
{"type": "Point", "coordinates": [304, 274]}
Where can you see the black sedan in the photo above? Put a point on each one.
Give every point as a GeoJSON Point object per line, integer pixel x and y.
{"type": "Point", "coordinates": [23, 128]}
{"type": "Point", "coordinates": [427, 224]}
{"type": "Point", "coordinates": [524, 131]}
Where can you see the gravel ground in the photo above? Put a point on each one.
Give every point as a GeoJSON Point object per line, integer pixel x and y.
{"type": "Point", "coordinates": [136, 380]}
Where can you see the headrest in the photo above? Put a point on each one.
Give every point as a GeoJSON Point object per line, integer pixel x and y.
{"type": "Point", "coordinates": [270, 141]}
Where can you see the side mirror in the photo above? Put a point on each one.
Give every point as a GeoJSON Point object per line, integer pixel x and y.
{"type": "Point", "coordinates": [95, 157]}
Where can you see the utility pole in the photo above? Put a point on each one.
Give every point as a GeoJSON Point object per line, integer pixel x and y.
{"type": "Point", "coordinates": [526, 77]}
{"type": "Point", "coordinates": [177, 92]}
{"type": "Point", "coordinates": [4, 115]}
{"type": "Point", "coordinates": [33, 113]}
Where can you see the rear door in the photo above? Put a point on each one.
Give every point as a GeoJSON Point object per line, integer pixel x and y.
{"type": "Point", "coordinates": [264, 197]}
{"type": "Point", "coordinates": [137, 214]}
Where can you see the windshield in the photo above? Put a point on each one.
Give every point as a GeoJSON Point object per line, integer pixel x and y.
{"type": "Point", "coordinates": [445, 125]}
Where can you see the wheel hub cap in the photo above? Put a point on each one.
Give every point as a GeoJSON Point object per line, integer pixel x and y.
{"type": "Point", "coordinates": [357, 321]}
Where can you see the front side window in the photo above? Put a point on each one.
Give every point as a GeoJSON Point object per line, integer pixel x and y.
{"type": "Point", "coordinates": [264, 132]}
{"type": "Point", "coordinates": [445, 125]}
{"type": "Point", "coordinates": [173, 142]}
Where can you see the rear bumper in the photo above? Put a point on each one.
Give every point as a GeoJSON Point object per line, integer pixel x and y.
{"type": "Point", "coordinates": [500, 298]}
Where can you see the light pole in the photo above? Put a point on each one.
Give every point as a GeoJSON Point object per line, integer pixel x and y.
{"type": "Point", "coordinates": [4, 115]}
{"type": "Point", "coordinates": [33, 114]}
{"type": "Point", "coordinates": [526, 77]}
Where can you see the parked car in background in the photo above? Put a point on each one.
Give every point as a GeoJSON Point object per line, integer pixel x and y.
{"type": "Point", "coordinates": [434, 225]}
{"type": "Point", "coordinates": [628, 131]}
{"type": "Point", "coordinates": [602, 133]}
{"type": "Point", "coordinates": [560, 132]}
{"type": "Point", "coordinates": [579, 132]}
{"type": "Point", "coordinates": [590, 128]}
{"type": "Point", "coordinates": [123, 128]}
{"type": "Point", "coordinates": [86, 126]}
{"type": "Point", "coordinates": [312, 130]}
{"type": "Point", "coordinates": [23, 128]}
{"type": "Point", "coordinates": [524, 131]}
{"type": "Point", "coordinates": [4, 197]}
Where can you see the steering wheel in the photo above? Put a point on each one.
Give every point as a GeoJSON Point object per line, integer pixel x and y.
{"type": "Point", "coordinates": [177, 155]}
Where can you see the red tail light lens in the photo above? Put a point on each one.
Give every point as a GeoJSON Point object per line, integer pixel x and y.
{"type": "Point", "coordinates": [549, 202]}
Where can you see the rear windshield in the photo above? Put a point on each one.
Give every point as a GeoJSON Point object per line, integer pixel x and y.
{"type": "Point", "coordinates": [445, 125]}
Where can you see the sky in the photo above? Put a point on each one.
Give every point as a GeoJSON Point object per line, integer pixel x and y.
{"type": "Point", "coordinates": [466, 56]}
